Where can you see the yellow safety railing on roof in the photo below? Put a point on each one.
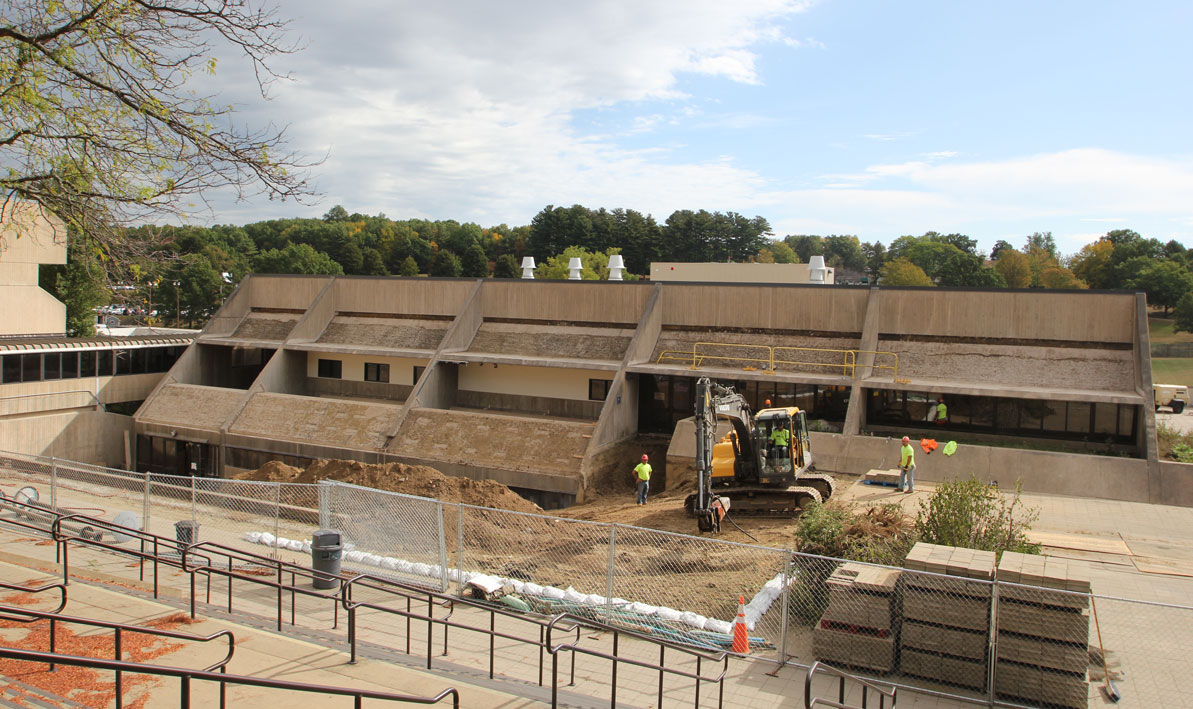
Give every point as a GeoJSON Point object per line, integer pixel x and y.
{"type": "Point", "coordinates": [774, 356]}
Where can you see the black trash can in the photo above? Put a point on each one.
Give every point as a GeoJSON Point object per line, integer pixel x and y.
{"type": "Point", "coordinates": [186, 532]}
{"type": "Point", "coordinates": [326, 550]}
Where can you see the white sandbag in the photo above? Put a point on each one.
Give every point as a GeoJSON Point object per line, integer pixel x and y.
{"type": "Point", "coordinates": [267, 539]}
{"type": "Point", "coordinates": [642, 608]}
{"type": "Point", "coordinates": [252, 537]}
{"type": "Point", "coordinates": [572, 596]}
{"type": "Point", "coordinates": [294, 545]}
{"type": "Point", "coordinates": [668, 613]}
{"type": "Point", "coordinates": [532, 588]}
{"type": "Point", "coordinates": [353, 556]}
{"type": "Point", "coordinates": [389, 563]}
{"type": "Point", "coordinates": [552, 592]}
{"type": "Point", "coordinates": [405, 566]}
{"type": "Point", "coordinates": [693, 619]}
{"type": "Point", "coordinates": [718, 626]}
{"type": "Point", "coordinates": [420, 569]}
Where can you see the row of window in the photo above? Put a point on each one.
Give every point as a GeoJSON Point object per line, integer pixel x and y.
{"type": "Point", "coordinates": [374, 371]}
{"type": "Point", "coordinates": [50, 366]}
{"type": "Point", "coordinates": [664, 400]}
{"type": "Point", "coordinates": [1081, 420]}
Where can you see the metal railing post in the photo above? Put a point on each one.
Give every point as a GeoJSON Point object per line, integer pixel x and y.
{"type": "Point", "coordinates": [194, 494]}
{"type": "Point", "coordinates": [992, 650]}
{"type": "Point", "coordinates": [145, 507]}
{"type": "Point", "coordinates": [459, 547]}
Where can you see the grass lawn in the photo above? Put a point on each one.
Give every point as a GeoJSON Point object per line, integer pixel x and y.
{"type": "Point", "coordinates": [1172, 370]}
{"type": "Point", "coordinates": [1160, 331]}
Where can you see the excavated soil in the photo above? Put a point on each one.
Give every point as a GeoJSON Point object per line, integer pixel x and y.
{"type": "Point", "coordinates": [398, 477]}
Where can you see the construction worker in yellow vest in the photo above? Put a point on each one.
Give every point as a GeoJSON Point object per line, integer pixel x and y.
{"type": "Point", "coordinates": [906, 467]}
{"type": "Point", "coordinates": [642, 473]}
{"type": "Point", "coordinates": [780, 438]}
{"type": "Point", "coordinates": [942, 412]}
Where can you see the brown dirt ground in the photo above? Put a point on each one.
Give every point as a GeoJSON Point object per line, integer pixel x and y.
{"type": "Point", "coordinates": [398, 477]}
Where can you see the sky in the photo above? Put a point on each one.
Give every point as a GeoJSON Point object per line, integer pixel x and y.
{"type": "Point", "coordinates": [862, 117]}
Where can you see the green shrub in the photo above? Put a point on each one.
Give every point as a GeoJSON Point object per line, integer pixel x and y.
{"type": "Point", "coordinates": [973, 515]}
{"type": "Point", "coordinates": [1183, 453]}
{"type": "Point", "coordinates": [876, 534]}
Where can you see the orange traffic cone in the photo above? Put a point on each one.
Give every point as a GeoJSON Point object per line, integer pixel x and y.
{"type": "Point", "coordinates": [741, 641]}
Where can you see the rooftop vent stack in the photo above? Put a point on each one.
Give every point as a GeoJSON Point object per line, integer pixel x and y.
{"type": "Point", "coordinates": [616, 266]}
{"type": "Point", "coordinates": [574, 267]}
{"type": "Point", "coordinates": [528, 267]}
{"type": "Point", "coordinates": [816, 270]}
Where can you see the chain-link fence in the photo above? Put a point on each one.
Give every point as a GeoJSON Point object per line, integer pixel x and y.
{"type": "Point", "coordinates": [954, 622]}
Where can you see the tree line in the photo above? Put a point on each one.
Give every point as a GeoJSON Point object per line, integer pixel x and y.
{"type": "Point", "coordinates": [182, 274]}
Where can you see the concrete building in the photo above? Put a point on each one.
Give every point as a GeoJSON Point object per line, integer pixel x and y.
{"type": "Point", "coordinates": [29, 237]}
{"type": "Point", "coordinates": [548, 385]}
{"type": "Point", "coordinates": [69, 397]}
{"type": "Point", "coordinates": [815, 272]}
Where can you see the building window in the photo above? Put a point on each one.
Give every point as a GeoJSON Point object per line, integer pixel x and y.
{"type": "Point", "coordinates": [70, 365]}
{"type": "Point", "coordinates": [104, 369]}
{"type": "Point", "coordinates": [31, 368]}
{"type": "Point", "coordinates": [124, 362]}
{"type": "Point", "coordinates": [52, 366]}
{"type": "Point", "coordinates": [418, 373]}
{"type": "Point", "coordinates": [331, 369]}
{"type": "Point", "coordinates": [11, 369]}
{"type": "Point", "coordinates": [376, 372]}
{"type": "Point", "coordinates": [598, 389]}
{"type": "Point", "coordinates": [87, 362]}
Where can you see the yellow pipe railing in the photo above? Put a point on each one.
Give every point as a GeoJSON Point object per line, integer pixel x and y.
{"type": "Point", "coordinates": [848, 365]}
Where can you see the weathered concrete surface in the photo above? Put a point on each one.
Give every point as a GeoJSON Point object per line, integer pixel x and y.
{"type": "Point", "coordinates": [266, 326]}
{"type": "Point", "coordinates": [1015, 365]}
{"type": "Point", "coordinates": [543, 340]}
{"type": "Point", "coordinates": [191, 406]}
{"type": "Point", "coordinates": [335, 422]}
{"type": "Point", "coordinates": [395, 333]}
{"type": "Point", "coordinates": [514, 442]}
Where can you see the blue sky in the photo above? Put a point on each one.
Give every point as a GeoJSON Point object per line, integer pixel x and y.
{"type": "Point", "coordinates": [839, 116]}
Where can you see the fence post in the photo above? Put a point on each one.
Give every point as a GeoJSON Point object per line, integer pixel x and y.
{"type": "Point", "coordinates": [324, 493]}
{"type": "Point", "coordinates": [460, 546]}
{"type": "Point", "coordinates": [145, 507]}
{"type": "Point", "coordinates": [609, 573]}
{"type": "Point", "coordinates": [785, 596]}
{"type": "Point", "coordinates": [194, 514]}
{"type": "Point", "coordinates": [277, 518]}
{"type": "Point", "coordinates": [442, 548]}
{"type": "Point", "coordinates": [53, 483]}
{"type": "Point", "coordinates": [992, 649]}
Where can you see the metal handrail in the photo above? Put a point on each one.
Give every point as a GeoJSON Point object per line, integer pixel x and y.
{"type": "Point", "coordinates": [187, 675]}
{"type": "Point", "coordinates": [848, 366]}
{"type": "Point", "coordinates": [28, 589]}
{"type": "Point", "coordinates": [384, 584]}
{"type": "Point", "coordinates": [120, 628]}
{"type": "Point", "coordinates": [579, 622]}
{"type": "Point", "coordinates": [842, 676]}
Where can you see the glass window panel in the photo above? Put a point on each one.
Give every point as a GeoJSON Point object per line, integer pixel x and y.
{"type": "Point", "coordinates": [1079, 417]}
{"type": "Point", "coordinates": [1105, 419]}
{"type": "Point", "coordinates": [70, 365]}
{"type": "Point", "coordinates": [1126, 420]}
{"type": "Point", "coordinates": [1054, 416]}
{"type": "Point", "coordinates": [105, 366]}
{"type": "Point", "coordinates": [10, 370]}
{"type": "Point", "coordinates": [982, 412]}
{"type": "Point", "coordinates": [87, 363]}
{"type": "Point", "coordinates": [31, 368]}
{"type": "Point", "coordinates": [124, 362]}
{"type": "Point", "coordinates": [140, 360]}
{"type": "Point", "coordinates": [51, 363]}
{"type": "Point", "coordinates": [1031, 415]}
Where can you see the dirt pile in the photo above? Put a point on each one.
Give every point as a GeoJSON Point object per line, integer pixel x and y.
{"type": "Point", "coordinates": [398, 477]}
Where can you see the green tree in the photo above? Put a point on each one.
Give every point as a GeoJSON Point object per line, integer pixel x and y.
{"type": "Point", "coordinates": [876, 257]}
{"type": "Point", "coordinates": [902, 272]}
{"type": "Point", "coordinates": [1165, 283]}
{"type": "Point", "coordinates": [999, 246]}
{"type": "Point", "coordinates": [445, 264]}
{"type": "Point", "coordinates": [1093, 264]}
{"type": "Point", "coordinates": [474, 263]}
{"type": "Point", "coordinates": [373, 265]}
{"type": "Point", "coordinates": [336, 214]}
{"type": "Point", "coordinates": [297, 258]}
{"type": "Point", "coordinates": [1043, 241]}
{"type": "Point", "coordinates": [506, 267]}
{"type": "Point", "coordinates": [805, 246]}
{"type": "Point", "coordinates": [1183, 314]}
{"type": "Point", "coordinates": [408, 267]}
{"type": "Point", "coordinates": [79, 285]}
{"type": "Point", "coordinates": [968, 271]}
{"type": "Point", "coordinates": [844, 252]}
{"type": "Point", "coordinates": [1014, 268]}
{"type": "Point", "coordinates": [1059, 278]}
{"type": "Point", "coordinates": [102, 124]}
{"type": "Point", "coordinates": [783, 253]}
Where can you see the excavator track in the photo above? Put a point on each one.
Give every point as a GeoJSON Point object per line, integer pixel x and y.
{"type": "Point", "coordinates": [755, 501]}
{"type": "Point", "coordinates": [824, 484]}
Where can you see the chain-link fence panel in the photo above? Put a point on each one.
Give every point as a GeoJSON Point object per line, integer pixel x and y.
{"type": "Point", "coordinates": [30, 480]}
{"type": "Point", "coordinates": [1147, 648]}
{"type": "Point", "coordinates": [171, 500]}
{"type": "Point", "coordinates": [298, 519]}
{"type": "Point", "coordinates": [387, 533]}
{"type": "Point", "coordinates": [687, 589]}
{"type": "Point", "coordinates": [228, 511]}
{"type": "Point", "coordinates": [554, 565]}
{"type": "Point", "coordinates": [112, 495]}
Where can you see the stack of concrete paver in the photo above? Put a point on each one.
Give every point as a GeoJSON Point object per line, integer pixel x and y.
{"type": "Point", "coordinates": [858, 628]}
{"type": "Point", "coordinates": [946, 619]}
{"type": "Point", "coordinates": [1043, 630]}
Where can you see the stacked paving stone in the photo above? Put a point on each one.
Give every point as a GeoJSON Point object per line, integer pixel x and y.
{"type": "Point", "coordinates": [946, 621]}
{"type": "Point", "coordinates": [1043, 630]}
{"type": "Point", "coordinates": [858, 626]}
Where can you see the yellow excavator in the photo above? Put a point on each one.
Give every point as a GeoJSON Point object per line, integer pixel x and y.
{"type": "Point", "coordinates": [763, 466]}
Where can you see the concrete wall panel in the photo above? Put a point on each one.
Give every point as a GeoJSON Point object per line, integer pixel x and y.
{"type": "Point", "coordinates": [402, 296]}
{"type": "Point", "coordinates": [401, 369]}
{"type": "Point", "coordinates": [565, 301]}
{"type": "Point", "coordinates": [284, 292]}
{"type": "Point", "coordinates": [1035, 315]}
{"type": "Point", "coordinates": [807, 308]}
{"type": "Point", "coordinates": [530, 381]}
{"type": "Point", "coordinates": [92, 437]}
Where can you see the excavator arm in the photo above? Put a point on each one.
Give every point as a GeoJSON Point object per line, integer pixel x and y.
{"type": "Point", "coordinates": [713, 401]}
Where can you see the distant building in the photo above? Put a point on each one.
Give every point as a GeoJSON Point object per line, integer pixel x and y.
{"type": "Point", "coordinates": [29, 237]}
{"type": "Point", "coordinates": [741, 272]}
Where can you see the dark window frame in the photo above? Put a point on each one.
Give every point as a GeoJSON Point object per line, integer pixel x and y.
{"type": "Point", "coordinates": [598, 389]}
{"type": "Point", "coordinates": [377, 372]}
{"type": "Point", "coordinates": [330, 368]}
